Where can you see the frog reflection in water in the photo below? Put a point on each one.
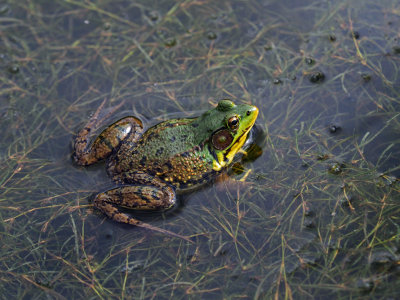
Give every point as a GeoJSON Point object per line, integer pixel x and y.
{"type": "Point", "coordinates": [172, 156]}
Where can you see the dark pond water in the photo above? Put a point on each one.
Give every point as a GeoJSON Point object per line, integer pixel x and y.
{"type": "Point", "coordinates": [314, 217]}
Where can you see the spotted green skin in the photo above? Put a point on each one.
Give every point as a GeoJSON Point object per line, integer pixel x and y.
{"type": "Point", "coordinates": [175, 155]}
{"type": "Point", "coordinates": [170, 151]}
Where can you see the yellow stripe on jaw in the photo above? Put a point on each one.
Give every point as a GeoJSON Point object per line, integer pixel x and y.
{"type": "Point", "coordinates": [236, 147]}
{"type": "Point", "coordinates": [221, 158]}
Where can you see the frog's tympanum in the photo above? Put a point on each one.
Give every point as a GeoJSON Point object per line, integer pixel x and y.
{"type": "Point", "coordinates": [172, 156]}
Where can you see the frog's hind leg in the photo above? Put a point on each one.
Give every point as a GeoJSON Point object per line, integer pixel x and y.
{"type": "Point", "coordinates": [137, 197]}
{"type": "Point", "coordinates": [110, 139]}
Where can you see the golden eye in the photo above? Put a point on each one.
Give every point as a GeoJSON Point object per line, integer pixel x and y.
{"type": "Point", "coordinates": [233, 123]}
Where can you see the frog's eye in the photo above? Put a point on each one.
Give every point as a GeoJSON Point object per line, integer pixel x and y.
{"type": "Point", "coordinates": [221, 139]}
{"type": "Point", "coordinates": [233, 123]}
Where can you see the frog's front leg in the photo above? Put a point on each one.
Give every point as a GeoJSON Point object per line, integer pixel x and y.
{"type": "Point", "coordinates": [111, 137]}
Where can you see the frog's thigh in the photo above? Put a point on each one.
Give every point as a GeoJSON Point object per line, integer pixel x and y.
{"type": "Point", "coordinates": [134, 197]}
{"type": "Point", "coordinates": [111, 137]}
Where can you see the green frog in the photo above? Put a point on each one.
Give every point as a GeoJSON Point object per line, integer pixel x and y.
{"type": "Point", "coordinates": [176, 155]}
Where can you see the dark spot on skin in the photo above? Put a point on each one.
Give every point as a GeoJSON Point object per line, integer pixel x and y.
{"type": "Point", "coordinates": [207, 176]}
{"type": "Point", "coordinates": [143, 160]}
{"type": "Point", "coordinates": [159, 151]}
{"type": "Point", "coordinates": [195, 181]}
{"type": "Point", "coordinates": [120, 197]}
{"type": "Point", "coordinates": [212, 152]}
{"type": "Point", "coordinates": [145, 199]}
{"type": "Point", "coordinates": [195, 125]}
{"type": "Point", "coordinates": [151, 135]}
{"type": "Point", "coordinates": [169, 166]}
{"type": "Point", "coordinates": [106, 141]}
{"type": "Point", "coordinates": [173, 138]}
{"type": "Point", "coordinates": [115, 158]}
{"type": "Point", "coordinates": [185, 154]}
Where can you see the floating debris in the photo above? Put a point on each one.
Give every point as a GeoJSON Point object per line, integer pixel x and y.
{"type": "Point", "coordinates": [365, 285]}
{"type": "Point", "coordinates": [309, 223]}
{"type": "Point", "coordinates": [309, 61]}
{"type": "Point", "coordinates": [4, 9]}
{"type": "Point", "coordinates": [322, 156]}
{"type": "Point", "coordinates": [382, 259]}
{"type": "Point", "coordinates": [211, 35]}
{"type": "Point", "coordinates": [267, 48]}
{"type": "Point", "coordinates": [335, 168]}
{"type": "Point", "coordinates": [317, 77]}
{"type": "Point", "coordinates": [170, 42]}
{"type": "Point", "coordinates": [308, 211]}
{"type": "Point", "coordinates": [396, 49]}
{"type": "Point", "coordinates": [133, 266]}
{"type": "Point", "coordinates": [355, 34]}
{"type": "Point", "coordinates": [14, 69]}
{"type": "Point", "coordinates": [345, 202]}
{"type": "Point", "coordinates": [305, 165]}
{"type": "Point", "coordinates": [154, 15]}
{"type": "Point", "coordinates": [388, 180]}
{"type": "Point", "coordinates": [107, 26]}
{"type": "Point", "coordinates": [366, 77]}
{"type": "Point", "coordinates": [334, 128]}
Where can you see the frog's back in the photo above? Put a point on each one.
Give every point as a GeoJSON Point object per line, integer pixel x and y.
{"type": "Point", "coordinates": [168, 150]}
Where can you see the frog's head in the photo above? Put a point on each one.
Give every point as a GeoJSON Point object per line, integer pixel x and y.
{"type": "Point", "coordinates": [229, 125]}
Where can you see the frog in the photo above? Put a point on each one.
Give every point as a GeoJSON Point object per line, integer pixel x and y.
{"type": "Point", "coordinates": [150, 167]}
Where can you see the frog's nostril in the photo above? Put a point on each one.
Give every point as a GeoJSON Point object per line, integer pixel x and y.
{"type": "Point", "coordinates": [248, 113]}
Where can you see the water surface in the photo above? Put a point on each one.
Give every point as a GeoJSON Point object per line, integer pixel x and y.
{"type": "Point", "coordinates": [315, 216]}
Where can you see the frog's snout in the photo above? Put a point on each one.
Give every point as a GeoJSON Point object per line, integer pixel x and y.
{"type": "Point", "coordinates": [253, 110]}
